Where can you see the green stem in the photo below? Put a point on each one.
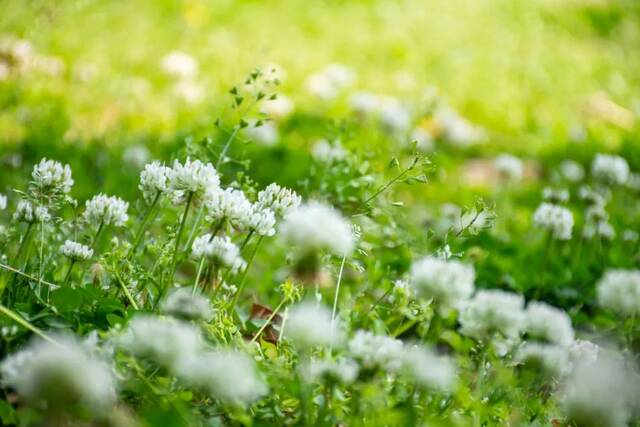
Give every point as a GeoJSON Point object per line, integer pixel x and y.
{"type": "Point", "coordinates": [194, 229]}
{"type": "Point", "coordinates": [243, 280]}
{"type": "Point", "coordinates": [23, 243]}
{"type": "Point", "coordinates": [143, 225]}
{"type": "Point", "coordinates": [391, 182]}
{"type": "Point", "coordinates": [68, 275]}
{"type": "Point", "coordinates": [24, 323]}
{"type": "Point", "coordinates": [126, 292]}
{"type": "Point", "coordinates": [195, 284]}
{"type": "Point", "coordinates": [179, 236]}
{"type": "Point", "coordinates": [20, 273]}
{"type": "Point", "coordinates": [223, 154]}
{"type": "Point", "coordinates": [269, 319]}
{"type": "Point", "coordinates": [335, 299]}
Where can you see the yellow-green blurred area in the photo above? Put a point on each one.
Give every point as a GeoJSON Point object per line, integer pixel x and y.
{"type": "Point", "coordinates": [527, 71]}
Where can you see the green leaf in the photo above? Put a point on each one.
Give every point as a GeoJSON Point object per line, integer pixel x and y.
{"type": "Point", "coordinates": [67, 299]}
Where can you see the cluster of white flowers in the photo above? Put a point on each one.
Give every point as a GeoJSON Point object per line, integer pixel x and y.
{"type": "Point", "coordinates": [76, 251]}
{"type": "Point", "coordinates": [228, 205]}
{"type": "Point", "coordinates": [136, 155]}
{"type": "Point", "coordinates": [549, 358]}
{"type": "Point", "coordinates": [260, 220]}
{"type": "Point", "coordinates": [572, 171]}
{"type": "Point", "coordinates": [226, 374]}
{"type": "Point", "coordinates": [153, 181]}
{"type": "Point", "coordinates": [325, 152]}
{"type": "Point", "coordinates": [179, 64]}
{"type": "Point", "coordinates": [328, 83]}
{"type": "Point", "coordinates": [619, 290]}
{"type": "Point", "coordinates": [343, 370]}
{"type": "Point", "coordinates": [493, 311]}
{"type": "Point", "coordinates": [428, 369]}
{"type": "Point", "coordinates": [183, 303]}
{"type": "Point", "coordinates": [315, 226]}
{"type": "Point", "coordinates": [278, 199]}
{"type": "Point", "coordinates": [364, 103]}
{"type": "Point", "coordinates": [592, 197]}
{"type": "Point", "coordinates": [509, 167]}
{"type": "Point", "coordinates": [262, 132]}
{"type": "Point", "coordinates": [376, 351]}
{"type": "Point", "coordinates": [549, 324]}
{"type": "Point", "coordinates": [27, 212]}
{"type": "Point", "coordinates": [51, 177]}
{"type": "Point", "coordinates": [395, 117]}
{"type": "Point", "coordinates": [3, 202]}
{"type": "Point", "coordinates": [279, 108]}
{"type": "Point", "coordinates": [552, 195]}
{"type": "Point", "coordinates": [610, 169]}
{"type": "Point", "coordinates": [457, 130]}
{"type": "Point", "coordinates": [597, 224]}
{"type": "Point", "coordinates": [446, 281]}
{"type": "Point", "coordinates": [309, 324]}
{"type": "Point", "coordinates": [106, 210]}
{"type": "Point", "coordinates": [191, 179]}
{"type": "Point", "coordinates": [220, 250]}
{"type": "Point", "coordinates": [60, 374]}
{"type": "Point", "coordinates": [557, 220]}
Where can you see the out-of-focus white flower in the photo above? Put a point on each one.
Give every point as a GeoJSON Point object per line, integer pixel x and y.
{"type": "Point", "coordinates": [51, 177]}
{"type": "Point", "coordinates": [619, 290]}
{"type": "Point", "coordinates": [343, 370]}
{"type": "Point", "coordinates": [314, 226]}
{"type": "Point", "coordinates": [377, 351]}
{"type": "Point", "coordinates": [630, 236]}
{"type": "Point", "coordinates": [3, 202]}
{"type": "Point", "coordinates": [105, 210]}
{"type": "Point", "coordinates": [429, 370]}
{"type": "Point", "coordinates": [136, 155]}
{"type": "Point", "coordinates": [189, 91]}
{"type": "Point", "coordinates": [278, 199]}
{"type": "Point", "coordinates": [309, 325]}
{"type": "Point", "coordinates": [555, 195]}
{"type": "Point", "coordinates": [493, 311]}
{"type": "Point", "coordinates": [76, 251]}
{"type": "Point", "coordinates": [27, 212]}
{"type": "Point", "coordinates": [262, 132]}
{"type": "Point", "coordinates": [572, 171]}
{"type": "Point", "coordinates": [153, 181]}
{"type": "Point", "coordinates": [228, 375]}
{"type": "Point", "coordinates": [634, 181]}
{"type": "Point", "coordinates": [474, 221]}
{"type": "Point", "coordinates": [583, 351]}
{"type": "Point", "coordinates": [60, 374]}
{"type": "Point", "coordinates": [166, 341]}
{"type": "Point", "coordinates": [220, 250]}
{"type": "Point", "coordinates": [447, 282]}
{"type": "Point", "coordinates": [275, 73]}
{"type": "Point", "coordinates": [547, 323]}
{"type": "Point", "coordinates": [601, 392]}
{"type": "Point", "coordinates": [183, 303]}
{"type": "Point", "coordinates": [341, 75]}
{"type": "Point", "coordinates": [324, 151]}
{"type": "Point", "coordinates": [601, 229]}
{"type": "Point", "coordinates": [364, 103]}
{"type": "Point", "coordinates": [610, 169]}
{"type": "Point", "coordinates": [329, 82]}
{"type": "Point", "coordinates": [179, 64]}
{"type": "Point", "coordinates": [192, 177]}
{"type": "Point", "coordinates": [228, 205]}
{"type": "Point", "coordinates": [592, 197]}
{"type": "Point", "coordinates": [457, 130]}
{"type": "Point", "coordinates": [424, 139]}
{"type": "Point", "coordinates": [509, 167]}
{"type": "Point", "coordinates": [557, 220]}
{"type": "Point", "coordinates": [549, 358]}
{"type": "Point", "coordinates": [394, 116]}
{"type": "Point", "coordinates": [278, 108]}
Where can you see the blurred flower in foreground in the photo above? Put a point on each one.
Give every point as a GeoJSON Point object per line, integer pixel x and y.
{"type": "Point", "coordinates": [179, 64]}
{"type": "Point", "coordinates": [619, 290]}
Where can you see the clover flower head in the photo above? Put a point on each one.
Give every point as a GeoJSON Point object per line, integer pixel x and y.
{"type": "Point", "coordinates": [493, 311]}
{"type": "Point", "coordinates": [548, 358]}
{"type": "Point", "coordinates": [557, 220]}
{"type": "Point", "coordinates": [136, 155]}
{"type": "Point", "coordinates": [278, 199]}
{"type": "Point", "coordinates": [552, 195]}
{"type": "Point", "coordinates": [179, 64]}
{"type": "Point", "coordinates": [309, 325]}
{"type": "Point", "coordinates": [343, 370]}
{"type": "Point", "coordinates": [377, 351]}
{"type": "Point", "coordinates": [106, 210]}
{"type": "Point", "coordinates": [260, 220]}
{"type": "Point", "coordinates": [277, 108]}
{"type": "Point", "coordinates": [27, 212]}
{"type": "Point", "coordinates": [325, 152]}
{"type": "Point", "coordinates": [548, 324]}
{"type": "Point", "coordinates": [191, 178]}
{"type": "Point", "coordinates": [446, 281]}
{"type": "Point", "coordinates": [183, 303]}
{"type": "Point", "coordinates": [619, 290]}
{"type": "Point", "coordinates": [51, 178]}
{"type": "Point", "coordinates": [610, 169]}
{"type": "Point", "coordinates": [76, 251]}
{"type": "Point", "coordinates": [153, 181]}
{"type": "Point", "coordinates": [429, 370]}
{"type": "Point", "coordinates": [220, 250]}
{"type": "Point", "coordinates": [572, 171]}
{"type": "Point", "coordinates": [228, 205]}
{"type": "Point", "coordinates": [262, 132]}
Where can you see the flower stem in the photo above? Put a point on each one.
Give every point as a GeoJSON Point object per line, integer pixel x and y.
{"type": "Point", "coordinates": [68, 275]}
{"type": "Point", "coordinates": [195, 284]}
{"type": "Point", "coordinates": [24, 323]}
{"type": "Point", "coordinates": [223, 153]}
{"type": "Point", "coordinates": [243, 280]}
{"type": "Point", "coordinates": [335, 299]}
{"type": "Point", "coordinates": [126, 291]}
{"type": "Point", "coordinates": [174, 260]}
{"type": "Point", "coordinates": [269, 319]}
{"type": "Point", "coordinates": [143, 225]}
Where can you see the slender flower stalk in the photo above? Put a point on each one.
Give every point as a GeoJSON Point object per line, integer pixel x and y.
{"type": "Point", "coordinates": [174, 261]}
{"type": "Point", "coordinates": [269, 319]}
{"type": "Point", "coordinates": [335, 298]}
{"type": "Point", "coordinates": [68, 275]}
{"type": "Point", "coordinates": [24, 323]}
{"type": "Point", "coordinates": [143, 224]}
{"type": "Point", "coordinates": [243, 279]}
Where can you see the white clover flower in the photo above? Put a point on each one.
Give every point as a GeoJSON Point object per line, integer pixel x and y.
{"type": "Point", "coordinates": [136, 155]}
{"type": "Point", "coordinates": [309, 325]}
{"type": "Point", "coordinates": [364, 103]}
{"type": "Point", "coordinates": [446, 281]}
{"type": "Point", "coordinates": [183, 303]}
{"type": "Point", "coordinates": [619, 290]}
{"type": "Point", "coordinates": [341, 75]}
{"type": "Point", "coordinates": [315, 226]}
{"type": "Point", "coordinates": [228, 375]}
{"type": "Point", "coordinates": [493, 311]}
{"type": "Point", "coordinates": [262, 132]}
{"type": "Point", "coordinates": [278, 199]}
{"type": "Point", "coordinates": [428, 369]}
{"type": "Point", "coordinates": [279, 108]}
{"type": "Point", "coordinates": [3, 202]}
{"type": "Point", "coordinates": [634, 181]}
{"type": "Point", "coordinates": [76, 251]}
{"type": "Point", "coordinates": [601, 392]}
{"type": "Point", "coordinates": [583, 351]}
{"type": "Point", "coordinates": [601, 229]}
{"type": "Point", "coordinates": [457, 130]}
{"type": "Point", "coordinates": [153, 181]}
{"type": "Point", "coordinates": [261, 221]}
{"type": "Point", "coordinates": [555, 219]}
{"type": "Point", "coordinates": [27, 212]}
{"type": "Point", "coordinates": [228, 205]}
{"type": "Point", "coordinates": [325, 152]}
{"type": "Point", "coordinates": [61, 374]}
{"type": "Point", "coordinates": [425, 141]}
{"type": "Point", "coordinates": [549, 358]}
{"type": "Point", "coordinates": [343, 370]}
{"type": "Point", "coordinates": [572, 171]}
{"type": "Point", "coordinates": [509, 167]}
{"type": "Point", "coordinates": [555, 195]}
{"type": "Point", "coordinates": [630, 236]}
{"type": "Point", "coordinates": [166, 341]}
{"type": "Point", "coordinates": [610, 169]}
{"type": "Point", "coordinates": [394, 116]}
{"type": "Point", "coordinates": [377, 351]}
{"type": "Point", "coordinates": [331, 81]}
{"type": "Point", "coordinates": [220, 250]}
{"type": "Point", "coordinates": [51, 177]}
{"type": "Point", "coordinates": [592, 197]}
{"type": "Point", "coordinates": [188, 91]}
{"type": "Point", "coordinates": [547, 323]}
{"type": "Point", "coordinates": [106, 210]}
{"type": "Point", "coordinates": [179, 64]}
{"type": "Point", "coordinates": [191, 178]}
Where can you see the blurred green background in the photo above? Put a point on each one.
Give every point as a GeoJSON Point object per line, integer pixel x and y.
{"type": "Point", "coordinates": [528, 71]}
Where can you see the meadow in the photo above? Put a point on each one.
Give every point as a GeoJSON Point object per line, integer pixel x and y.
{"type": "Point", "coordinates": [380, 213]}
